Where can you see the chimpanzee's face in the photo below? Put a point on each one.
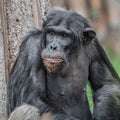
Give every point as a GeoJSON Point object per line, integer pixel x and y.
{"type": "Point", "coordinates": [58, 47]}
{"type": "Point", "coordinates": [64, 33]}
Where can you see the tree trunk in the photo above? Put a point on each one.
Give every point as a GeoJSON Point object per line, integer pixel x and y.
{"type": "Point", "coordinates": [16, 19]}
{"type": "Point", "coordinates": [3, 92]}
{"type": "Point", "coordinates": [3, 97]}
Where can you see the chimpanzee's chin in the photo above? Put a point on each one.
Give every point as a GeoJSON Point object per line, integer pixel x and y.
{"type": "Point", "coordinates": [53, 65]}
{"type": "Point", "coordinates": [53, 70]}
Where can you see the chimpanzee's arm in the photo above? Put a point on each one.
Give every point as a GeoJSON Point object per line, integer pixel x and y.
{"type": "Point", "coordinates": [101, 70]}
{"type": "Point", "coordinates": [106, 84]}
{"type": "Point", "coordinates": [25, 73]}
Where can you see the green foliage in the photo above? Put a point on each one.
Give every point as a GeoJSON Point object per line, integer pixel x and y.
{"type": "Point", "coordinates": [90, 96]}
{"type": "Point", "coordinates": [115, 60]}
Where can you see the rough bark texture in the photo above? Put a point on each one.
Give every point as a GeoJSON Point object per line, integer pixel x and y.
{"type": "Point", "coordinates": [44, 6]}
{"type": "Point", "coordinates": [3, 97]}
{"type": "Point", "coordinates": [20, 21]}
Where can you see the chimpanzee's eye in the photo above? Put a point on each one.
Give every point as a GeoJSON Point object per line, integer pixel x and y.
{"type": "Point", "coordinates": [51, 33]}
{"type": "Point", "coordinates": [64, 35]}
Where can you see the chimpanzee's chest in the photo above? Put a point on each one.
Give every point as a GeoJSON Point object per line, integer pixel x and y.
{"type": "Point", "coordinates": [66, 92]}
{"type": "Point", "coordinates": [67, 84]}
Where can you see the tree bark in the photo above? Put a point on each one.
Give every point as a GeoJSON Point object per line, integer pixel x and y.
{"type": "Point", "coordinates": [3, 95]}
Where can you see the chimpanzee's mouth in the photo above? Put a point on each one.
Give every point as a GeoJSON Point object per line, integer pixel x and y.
{"type": "Point", "coordinates": [53, 60]}
{"type": "Point", "coordinates": [53, 64]}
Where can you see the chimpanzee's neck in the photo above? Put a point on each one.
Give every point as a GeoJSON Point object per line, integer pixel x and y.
{"type": "Point", "coordinates": [75, 69]}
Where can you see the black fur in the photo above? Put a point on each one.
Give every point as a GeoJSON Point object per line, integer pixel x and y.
{"type": "Point", "coordinates": [63, 94]}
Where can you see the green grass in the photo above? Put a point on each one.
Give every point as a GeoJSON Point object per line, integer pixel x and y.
{"type": "Point", "coordinates": [115, 60]}
{"type": "Point", "coordinates": [90, 96]}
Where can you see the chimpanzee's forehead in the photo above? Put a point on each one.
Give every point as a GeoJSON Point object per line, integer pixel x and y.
{"type": "Point", "coordinates": [68, 19]}
{"type": "Point", "coordinates": [60, 29]}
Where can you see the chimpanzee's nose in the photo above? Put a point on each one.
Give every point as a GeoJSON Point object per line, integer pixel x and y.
{"type": "Point", "coordinates": [53, 46]}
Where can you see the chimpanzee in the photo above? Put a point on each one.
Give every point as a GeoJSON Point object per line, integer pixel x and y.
{"type": "Point", "coordinates": [48, 80]}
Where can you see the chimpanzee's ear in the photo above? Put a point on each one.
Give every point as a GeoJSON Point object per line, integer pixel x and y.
{"type": "Point", "coordinates": [88, 35]}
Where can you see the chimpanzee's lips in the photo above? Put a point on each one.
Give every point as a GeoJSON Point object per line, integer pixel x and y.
{"type": "Point", "coordinates": [53, 64]}
{"type": "Point", "coordinates": [53, 60]}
